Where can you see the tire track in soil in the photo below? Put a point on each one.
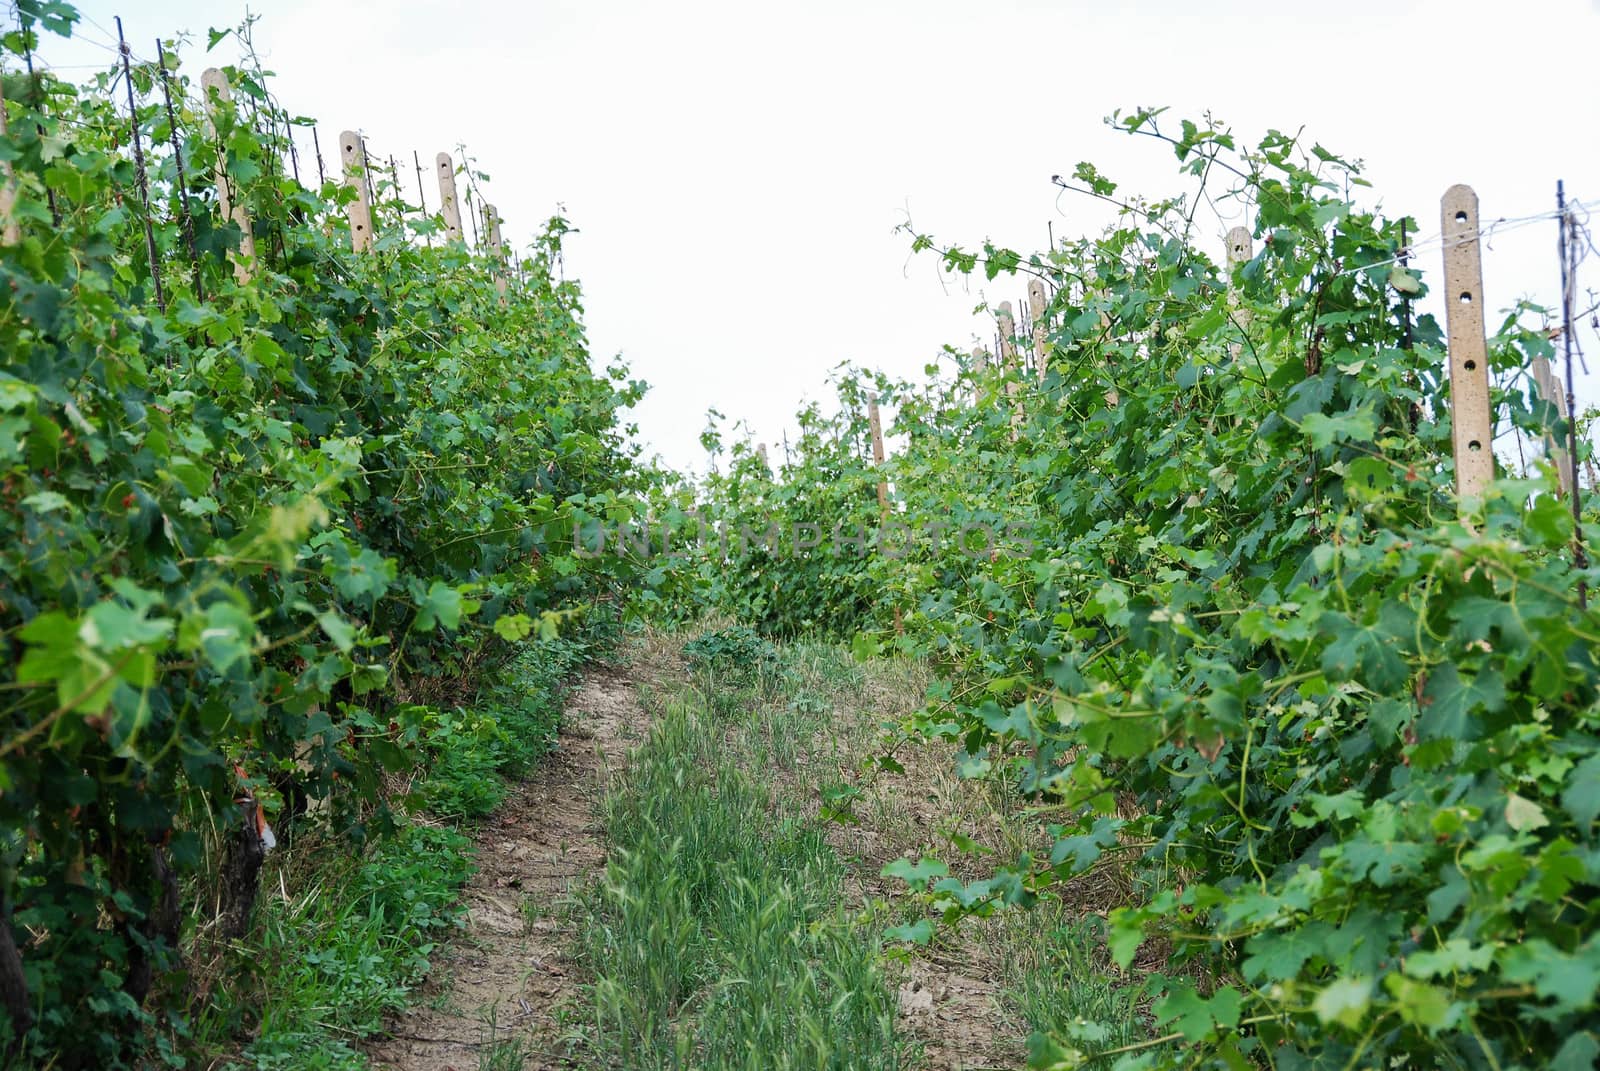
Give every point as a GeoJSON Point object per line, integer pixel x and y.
{"type": "Point", "coordinates": [545, 840]}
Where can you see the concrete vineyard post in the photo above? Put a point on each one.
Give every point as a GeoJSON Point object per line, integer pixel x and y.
{"type": "Point", "coordinates": [1469, 365]}
{"type": "Point", "coordinates": [1549, 386]}
{"type": "Point", "coordinates": [491, 225]}
{"type": "Point", "coordinates": [876, 425]}
{"type": "Point", "coordinates": [214, 84]}
{"type": "Point", "coordinates": [491, 222]}
{"type": "Point", "coordinates": [1037, 303]}
{"type": "Point", "coordinates": [10, 229]}
{"type": "Point", "coordinates": [1240, 248]}
{"type": "Point", "coordinates": [1008, 363]}
{"type": "Point", "coordinates": [1008, 343]}
{"type": "Point", "coordinates": [359, 211]}
{"type": "Point", "coordinates": [450, 206]}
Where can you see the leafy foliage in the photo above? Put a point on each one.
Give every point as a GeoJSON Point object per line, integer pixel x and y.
{"type": "Point", "coordinates": [331, 959]}
{"type": "Point", "coordinates": [331, 964]}
{"type": "Point", "coordinates": [788, 555]}
{"type": "Point", "coordinates": [1352, 721]}
{"type": "Point", "coordinates": [736, 647]}
{"type": "Point", "coordinates": [237, 524]}
{"type": "Point", "coordinates": [472, 748]}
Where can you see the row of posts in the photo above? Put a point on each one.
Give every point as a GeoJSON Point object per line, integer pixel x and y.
{"type": "Point", "coordinates": [359, 212]}
{"type": "Point", "coordinates": [1471, 423]}
{"type": "Point", "coordinates": [214, 85]}
{"type": "Point", "coordinates": [1468, 355]}
{"type": "Point", "coordinates": [1468, 348]}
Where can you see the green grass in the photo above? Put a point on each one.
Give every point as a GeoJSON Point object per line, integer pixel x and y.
{"type": "Point", "coordinates": [496, 1053]}
{"type": "Point", "coordinates": [474, 752]}
{"type": "Point", "coordinates": [718, 939]}
{"type": "Point", "coordinates": [1059, 977]}
{"type": "Point", "coordinates": [325, 965]}
{"type": "Point", "coordinates": [354, 935]}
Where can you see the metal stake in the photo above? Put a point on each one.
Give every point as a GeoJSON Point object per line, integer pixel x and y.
{"type": "Point", "coordinates": [138, 165]}
{"type": "Point", "coordinates": [177, 156]}
{"type": "Point", "coordinates": [471, 186]}
{"type": "Point", "coordinates": [1580, 559]}
{"type": "Point", "coordinates": [322, 177]}
{"type": "Point", "coordinates": [38, 106]}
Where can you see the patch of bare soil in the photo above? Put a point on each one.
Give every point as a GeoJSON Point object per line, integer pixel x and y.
{"type": "Point", "coordinates": [503, 982]}
{"type": "Point", "coordinates": [950, 994]}
{"type": "Point", "coordinates": [952, 1008]}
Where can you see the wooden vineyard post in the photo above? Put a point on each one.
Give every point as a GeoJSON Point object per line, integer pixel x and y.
{"type": "Point", "coordinates": [1549, 386]}
{"type": "Point", "coordinates": [1008, 363]}
{"type": "Point", "coordinates": [1469, 364]}
{"type": "Point", "coordinates": [358, 211]}
{"type": "Point", "coordinates": [10, 229]}
{"type": "Point", "coordinates": [491, 222]}
{"type": "Point", "coordinates": [451, 207]}
{"type": "Point", "coordinates": [214, 84]}
{"type": "Point", "coordinates": [1037, 303]}
{"type": "Point", "coordinates": [980, 365]}
{"type": "Point", "coordinates": [761, 452]}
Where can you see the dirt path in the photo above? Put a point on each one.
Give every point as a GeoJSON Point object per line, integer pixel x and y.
{"type": "Point", "coordinates": [497, 994]}
{"type": "Point", "coordinates": [498, 986]}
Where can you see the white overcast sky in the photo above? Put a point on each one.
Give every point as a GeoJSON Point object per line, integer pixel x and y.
{"type": "Point", "coordinates": [736, 169]}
